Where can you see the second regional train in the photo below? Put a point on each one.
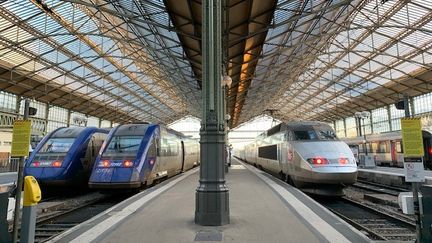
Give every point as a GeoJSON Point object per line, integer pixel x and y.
{"type": "Point", "coordinates": [387, 149]}
{"type": "Point", "coordinates": [66, 156]}
{"type": "Point", "coordinates": [139, 154]}
{"type": "Point", "coordinates": [306, 154]}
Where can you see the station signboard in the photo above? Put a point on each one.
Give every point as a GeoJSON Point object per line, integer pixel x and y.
{"type": "Point", "coordinates": [21, 138]}
{"type": "Point", "coordinates": [412, 141]}
{"type": "Point", "coordinates": [414, 170]}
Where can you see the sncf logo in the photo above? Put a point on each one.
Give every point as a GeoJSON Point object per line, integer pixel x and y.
{"type": "Point", "coordinates": [116, 164]}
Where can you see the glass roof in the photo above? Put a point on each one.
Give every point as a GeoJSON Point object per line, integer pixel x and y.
{"type": "Point", "coordinates": [93, 54]}
{"type": "Point", "coordinates": [321, 59]}
{"type": "Point", "coordinates": [339, 53]}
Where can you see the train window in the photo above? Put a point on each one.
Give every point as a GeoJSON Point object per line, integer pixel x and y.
{"type": "Point", "coordinates": [305, 135]}
{"type": "Point", "coordinates": [374, 147]}
{"type": "Point", "coordinates": [268, 152]}
{"type": "Point", "coordinates": [169, 147]}
{"type": "Point", "coordinates": [57, 145]}
{"type": "Point", "coordinates": [174, 148]}
{"type": "Point", "coordinates": [399, 147]}
{"type": "Point", "coordinates": [124, 144]}
{"type": "Point", "coordinates": [384, 147]}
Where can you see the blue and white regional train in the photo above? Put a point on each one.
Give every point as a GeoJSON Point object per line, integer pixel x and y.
{"type": "Point", "coordinates": [65, 157]}
{"type": "Point", "coordinates": [387, 148]}
{"type": "Point", "coordinates": [306, 154]}
{"type": "Point", "coordinates": [139, 154]}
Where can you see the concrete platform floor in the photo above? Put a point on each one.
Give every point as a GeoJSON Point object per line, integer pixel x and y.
{"type": "Point", "coordinates": [394, 171]}
{"type": "Point", "coordinates": [262, 209]}
{"type": "Point", "coordinates": [7, 178]}
{"type": "Point", "coordinates": [389, 176]}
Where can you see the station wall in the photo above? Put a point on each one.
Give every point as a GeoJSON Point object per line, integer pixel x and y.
{"type": "Point", "coordinates": [387, 118]}
{"type": "Point", "coordinates": [47, 118]}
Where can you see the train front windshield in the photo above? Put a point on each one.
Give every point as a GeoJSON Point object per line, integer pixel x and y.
{"type": "Point", "coordinates": [314, 133]}
{"type": "Point", "coordinates": [123, 144]}
{"type": "Point", "coordinates": [57, 145]}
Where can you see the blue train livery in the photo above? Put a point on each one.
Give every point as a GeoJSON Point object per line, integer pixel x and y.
{"type": "Point", "coordinates": [66, 156]}
{"type": "Point", "coordinates": [140, 154]}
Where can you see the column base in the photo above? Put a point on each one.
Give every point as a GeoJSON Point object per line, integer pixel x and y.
{"type": "Point", "coordinates": [212, 208]}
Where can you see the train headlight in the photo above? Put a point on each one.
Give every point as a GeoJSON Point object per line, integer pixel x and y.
{"type": "Point", "coordinates": [127, 163]}
{"type": "Point", "coordinates": [343, 161]}
{"type": "Point", "coordinates": [57, 163]}
{"type": "Point", "coordinates": [105, 163]}
{"type": "Point", "coordinates": [318, 161]}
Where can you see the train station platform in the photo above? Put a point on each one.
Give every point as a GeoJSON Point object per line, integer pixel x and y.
{"type": "Point", "coordinates": [7, 182]}
{"type": "Point", "coordinates": [262, 209]}
{"type": "Point", "coordinates": [7, 179]}
{"type": "Point", "coordinates": [389, 176]}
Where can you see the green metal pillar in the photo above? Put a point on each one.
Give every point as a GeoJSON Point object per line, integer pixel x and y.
{"type": "Point", "coordinates": [212, 194]}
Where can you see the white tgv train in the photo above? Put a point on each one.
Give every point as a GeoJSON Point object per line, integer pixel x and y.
{"type": "Point", "coordinates": [306, 154]}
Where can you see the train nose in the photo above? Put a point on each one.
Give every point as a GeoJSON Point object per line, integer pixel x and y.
{"type": "Point", "coordinates": [114, 175]}
{"type": "Point", "coordinates": [102, 175]}
{"type": "Point", "coordinates": [44, 173]}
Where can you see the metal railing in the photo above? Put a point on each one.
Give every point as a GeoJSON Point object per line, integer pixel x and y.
{"type": "Point", "coordinates": [9, 165]}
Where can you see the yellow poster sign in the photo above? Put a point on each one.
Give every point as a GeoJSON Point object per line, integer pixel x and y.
{"type": "Point", "coordinates": [412, 138]}
{"type": "Point", "coordinates": [21, 138]}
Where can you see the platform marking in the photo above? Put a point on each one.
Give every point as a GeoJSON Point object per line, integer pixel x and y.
{"type": "Point", "coordinates": [117, 216]}
{"type": "Point", "coordinates": [237, 167]}
{"type": "Point", "coordinates": [214, 235]}
{"type": "Point", "coordinates": [325, 229]}
{"type": "Point", "coordinates": [383, 172]}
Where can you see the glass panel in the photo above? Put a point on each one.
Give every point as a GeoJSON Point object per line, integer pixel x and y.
{"type": "Point", "coordinates": [123, 144]}
{"type": "Point", "coordinates": [57, 145]}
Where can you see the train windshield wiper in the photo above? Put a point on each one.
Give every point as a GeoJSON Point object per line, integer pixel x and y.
{"type": "Point", "coordinates": [49, 147]}
{"type": "Point", "coordinates": [328, 134]}
{"type": "Point", "coordinates": [129, 146]}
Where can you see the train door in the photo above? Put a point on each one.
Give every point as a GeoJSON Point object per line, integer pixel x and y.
{"type": "Point", "coordinates": [89, 154]}
{"type": "Point", "coordinates": [183, 155]}
{"type": "Point", "coordinates": [427, 151]}
{"type": "Point", "coordinates": [282, 156]}
{"type": "Point", "coordinates": [393, 152]}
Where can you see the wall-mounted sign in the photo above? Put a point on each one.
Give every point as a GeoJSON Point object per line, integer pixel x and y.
{"type": "Point", "coordinates": [21, 138]}
{"type": "Point", "coordinates": [412, 138]}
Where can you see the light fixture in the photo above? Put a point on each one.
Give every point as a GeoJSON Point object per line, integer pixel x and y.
{"type": "Point", "coordinates": [363, 114]}
{"type": "Point", "coordinates": [226, 80]}
{"type": "Point", "coordinates": [79, 120]}
{"type": "Point", "coordinates": [227, 117]}
{"type": "Point", "coordinates": [366, 114]}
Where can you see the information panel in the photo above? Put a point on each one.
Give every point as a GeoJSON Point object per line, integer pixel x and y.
{"type": "Point", "coordinates": [414, 170]}
{"type": "Point", "coordinates": [412, 137]}
{"type": "Point", "coordinates": [21, 138]}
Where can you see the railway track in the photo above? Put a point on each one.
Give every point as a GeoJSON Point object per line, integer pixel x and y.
{"type": "Point", "coordinates": [379, 188]}
{"type": "Point", "coordinates": [377, 225]}
{"type": "Point", "coordinates": [50, 227]}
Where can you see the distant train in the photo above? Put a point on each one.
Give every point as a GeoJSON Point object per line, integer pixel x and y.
{"type": "Point", "coordinates": [140, 154]}
{"type": "Point", "coordinates": [387, 148]}
{"type": "Point", "coordinates": [66, 156]}
{"type": "Point", "coordinates": [306, 154]}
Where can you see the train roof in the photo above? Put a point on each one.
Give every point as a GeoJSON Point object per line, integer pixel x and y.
{"type": "Point", "coordinates": [65, 132]}
{"type": "Point", "coordinates": [293, 125]}
{"type": "Point", "coordinates": [132, 129]}
{"type": "Point", "coordinates": [382, 137]}
{"type": "Point", "coordinates": [140, 129]}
